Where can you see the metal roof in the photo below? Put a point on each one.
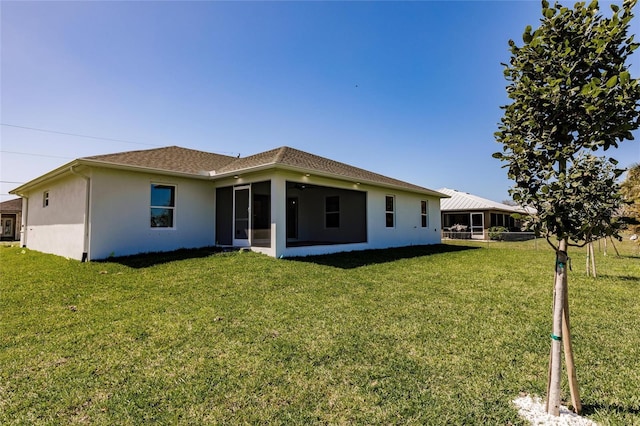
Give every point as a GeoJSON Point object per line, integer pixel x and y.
{"type": "Point", "coordinates": [462, 201]}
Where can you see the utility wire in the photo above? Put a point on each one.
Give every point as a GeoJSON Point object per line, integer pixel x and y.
{"type": "Point", "coordinates": [77, 134]}
{"type": "Point", "coordinates": [89, 137]}
{"type": "Point", "coordinates": [35, 155]}
{"type": "Point", "coordinates": [10, 181]}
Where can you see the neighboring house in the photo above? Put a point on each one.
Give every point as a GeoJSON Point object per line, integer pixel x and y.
{"type": "Point", "coordinates": [10, 219]}
{"type": "Point", "coordinates": [475, 213]}
{"type": "Point", "coordinates": [282, 202]}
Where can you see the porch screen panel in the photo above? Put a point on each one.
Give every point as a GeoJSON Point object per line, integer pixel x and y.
{"type": "Point", "coordinates": [308, 223]}
{"type": "Point", "coordinates": [241, 213]}
{"type": "Point", "coordinates": [261, 214]}
{"type": "Point", "coordinates": [224, 215]}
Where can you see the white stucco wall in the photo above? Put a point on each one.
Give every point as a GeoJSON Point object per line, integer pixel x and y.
{"type": "Point", "coordinates": [408, 228]}
{"type": "Point", "coordinates": [59, 227]}
{"type": "Point", "coordinates": [120, 214]}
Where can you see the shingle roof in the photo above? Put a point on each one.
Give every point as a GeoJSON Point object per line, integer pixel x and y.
{"type": "Point", "coordinates": [183, 160]}
{"type": "Point", "coordinates": [294, 158]}
{"type": "Point", "coordinates": [462, 201]}
{"type": "Point", "coordinates": [172, 158]}
{"type": "Point", "coordinates": [14, 205]}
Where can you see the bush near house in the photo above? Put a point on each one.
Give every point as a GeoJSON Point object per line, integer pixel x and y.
{"type": "Point", "coordinates": [496, 233]}
{"type": "Point", "coordinates": [446, 334]}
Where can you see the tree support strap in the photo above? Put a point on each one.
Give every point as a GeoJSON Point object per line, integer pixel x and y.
{"type": "Point", "coordinates": [562, 259]}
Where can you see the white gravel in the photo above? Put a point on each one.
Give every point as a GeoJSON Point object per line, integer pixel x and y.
{"type": "Point", "coordinates": [532, 409]}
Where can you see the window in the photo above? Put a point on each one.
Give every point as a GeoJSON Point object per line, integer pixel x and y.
{"type": "Point", "coordinates": [163, 205]}
{"type": "Point", "coordinates": [45, 198]}
{"type": "Point", "coordinates": [498, 219]}
{"type": "Point", "coordinates": [390, 211]}
{"type": "Point", "coordinates": [424, 213]}
{"type": "Point", "coordinates": [332, 212]}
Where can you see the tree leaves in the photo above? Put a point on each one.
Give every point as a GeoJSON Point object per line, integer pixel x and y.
{"type": "Point", "coordinates": [571, 94]}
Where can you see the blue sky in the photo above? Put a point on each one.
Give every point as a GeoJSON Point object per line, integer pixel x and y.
{"type": "Point", "coordinates": [410, 90]}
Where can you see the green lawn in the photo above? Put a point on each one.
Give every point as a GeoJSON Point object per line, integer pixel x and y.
{"type": "Point", "coordinates": [426, 335]}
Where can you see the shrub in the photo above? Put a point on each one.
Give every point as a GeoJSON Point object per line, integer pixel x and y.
{"type": "Point", "coordinates": [497, 233]}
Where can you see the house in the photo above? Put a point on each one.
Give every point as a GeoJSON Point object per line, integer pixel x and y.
{"type": "Point", "coordinates": [283, 202]}
{"type": "Point", "coordinates": [10, 219]}
{"type": "Point", "coordinates": [475, 215]}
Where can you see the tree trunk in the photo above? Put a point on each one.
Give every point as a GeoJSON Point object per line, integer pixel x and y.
{"type": "Point", "coordinates": [555, 369]}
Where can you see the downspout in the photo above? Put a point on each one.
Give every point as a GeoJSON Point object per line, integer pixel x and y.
{"type": "Point", "coordinates": [23, 221]}
{"type": "Point", "coordinates": [85, 244]}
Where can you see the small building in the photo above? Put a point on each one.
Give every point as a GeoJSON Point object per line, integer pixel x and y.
{"type": "Point", "coordinates": [283, 202]}
{"type": "Point", "coordinates": [466, 215]}
{"type": "Point", "coordinates": [10, 219]}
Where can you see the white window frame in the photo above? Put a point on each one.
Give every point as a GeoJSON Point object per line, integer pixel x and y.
{"type": "Point", "coordinates": [424, 215]}
{"type": "Point", "coordinates": [172, 208]}
{"type": "Point", "coordinates": [391, 212]}
{"type": "Point", "coordinates": [45, 199]}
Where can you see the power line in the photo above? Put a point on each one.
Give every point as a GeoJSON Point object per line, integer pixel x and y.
{"type": "Point", "coordinates": [35, 155]}
{"type": "Point", "coordinates": [89, 137]}
{"type": "Point", "coordinates": [76, 134]}
{"type": "Point", "coordinates": [10, 181]}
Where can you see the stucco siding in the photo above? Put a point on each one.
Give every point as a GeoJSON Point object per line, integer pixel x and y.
{"type": "Point", "coordinates": [58, 227]}
{"type": "Point", "coordinates": [117, 203]}
{"type": "Point", "coordinates": [120, 214]}
{"type": "Point", "coordinates": [407, 229]}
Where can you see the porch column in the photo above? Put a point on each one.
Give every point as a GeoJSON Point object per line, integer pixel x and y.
{"type": "Point", "coordinates": [278, 215]}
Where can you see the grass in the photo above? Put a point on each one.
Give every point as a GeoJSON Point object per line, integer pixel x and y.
{"type": "Point", "coordinates": [446, 334]}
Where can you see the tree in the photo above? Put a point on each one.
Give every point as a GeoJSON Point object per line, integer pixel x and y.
{"type": "Point", "coordinates": [571, 94]}
{"type": "Point", "coordinates": [630, 190]}
{"type": "Point", "coordinates": [599, 216]}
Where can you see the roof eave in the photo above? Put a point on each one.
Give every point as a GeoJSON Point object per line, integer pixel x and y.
{"type": "Point", "coordinates": [211, 175]}
{"type": "Point", "coordinates": [274, 165]}
{"type": "Point", "coordinates": [65, 168]}
{"type": "Point", "coordinates": [479, 209]}
{"type": "Point", "coordinates": [152, 170]}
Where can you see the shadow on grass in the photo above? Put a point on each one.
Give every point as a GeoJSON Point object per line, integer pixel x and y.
{"type": "Point", "coordinates": [356, 259]}
{"type": "Point", "coordinates": [590, 409]}
{"type": "Point", "coordinates": [628, 256]}
{"type": "Point", "coordinates": [621, 277]}
{"type": "Point", "coordinates": [146, 260]}
{"type": "Point", "coordinates": [343, 260]}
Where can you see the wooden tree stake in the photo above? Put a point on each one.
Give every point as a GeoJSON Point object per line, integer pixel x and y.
{"type": "Point", "coordinates": [593, 261]}
{"type": "Point", "coordinates": [614, 247]}
{"type": "Point", "coordinates": [553, 395]}
{"type": "Point", "coordinates": [586, 267]}
{"type": "Point", "coordinates": [568, 353]}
